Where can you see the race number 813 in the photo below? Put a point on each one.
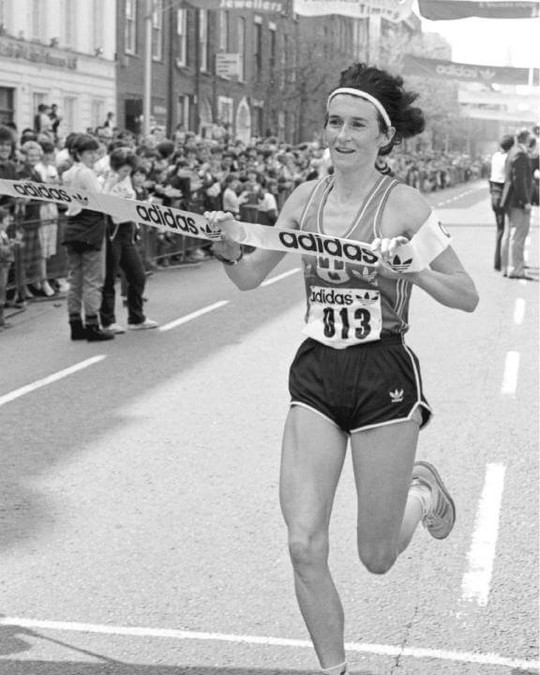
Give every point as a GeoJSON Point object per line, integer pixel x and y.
{"type": "Point", "coordinates": [361, 321]}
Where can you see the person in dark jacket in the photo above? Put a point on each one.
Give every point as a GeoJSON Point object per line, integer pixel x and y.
{"type": "Point", "coordinates": [84, 238]}
{"type": "Point", "coordinates": [8, 168]}
{"type": "Point", "coordinates": [516, 201]}
{"type": "Point", "coordinates": [122, 252]}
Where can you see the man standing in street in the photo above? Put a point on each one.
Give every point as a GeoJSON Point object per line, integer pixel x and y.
{"type": "Point", "coordinates": [496, 185]}
{"type": "Point", "coordinates": [516, 201]}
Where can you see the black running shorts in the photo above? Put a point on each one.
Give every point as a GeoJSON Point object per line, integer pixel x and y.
{"type": "Point", "coordinates": [361, 387]}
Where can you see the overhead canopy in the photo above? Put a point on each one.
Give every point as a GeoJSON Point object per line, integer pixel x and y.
{"type": "Point", "coordinates": [436, 10]}
{"type": "Point", "coordinates": [391, 10]}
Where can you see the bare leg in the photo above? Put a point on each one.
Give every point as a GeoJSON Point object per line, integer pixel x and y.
{"type": "Point", "coordinates": [383, 460]}
{"type": "Point", "coordinates": [312, 460]}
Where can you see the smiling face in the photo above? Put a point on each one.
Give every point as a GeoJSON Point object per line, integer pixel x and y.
{"type": "Point", "coordinates": [353, 133]}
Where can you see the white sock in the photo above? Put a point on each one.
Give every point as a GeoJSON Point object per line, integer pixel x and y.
{"type": "Point", "coordinates": [422, 492]}
{"type": "Point", "coordinates": [340, 669]}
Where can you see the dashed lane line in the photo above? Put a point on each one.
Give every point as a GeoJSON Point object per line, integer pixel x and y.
{"type": "Point", "coordinates": [477, 580]}
{"type": "Point", "coordinates": [220, 303]}
{"type": "Point", "coordinates": [510, 374]}
{"type": "Point", "coordinates": [193, 315]}
{"type": "Point", "coordinates": [28, 388]}
{"type": "Point", "coordinates": [519, 311]}
{"type": "Point", "coordinates": [488, 659]}
{"type": "Point", "coordinates": [279, 277]}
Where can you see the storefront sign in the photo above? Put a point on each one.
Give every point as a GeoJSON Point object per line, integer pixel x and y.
{"type": "Point", "coordinates": [228, 65]}
{"type": "Point", "coordinates": [27, 51]}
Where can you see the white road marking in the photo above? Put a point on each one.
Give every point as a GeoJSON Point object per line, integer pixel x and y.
{"type": "Point", "coordinates": [510, 375]}
{"type": "Point", "coordinates": [193, 315]}
{"type": "Point", "coordinates": [279, 277]}
{"type": "Point", "coordinates": [28, 388]}
{"type": "Point", "coordinates": [363, 647]}
{"type": "Point", "coordinates": [519, 311]}
{"type": "Point", "coordinates": [476, 581]}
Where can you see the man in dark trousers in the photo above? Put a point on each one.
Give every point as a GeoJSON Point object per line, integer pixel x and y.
{"type": "Point", "coordinates": [496, 185]}
{"type": "Point", "coordinates": [516, 201]}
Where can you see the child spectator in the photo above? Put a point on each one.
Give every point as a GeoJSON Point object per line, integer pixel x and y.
{"type": "Point", "coordinates": [83, 238]}
{"type": "Point", "coordinates": [121, 251]}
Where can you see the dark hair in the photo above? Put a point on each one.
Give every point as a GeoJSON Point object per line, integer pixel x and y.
{"type": "Point", "coordinates": [70, 139]}
{"type": "Point", "coordinates": [141, 168]}
{"type": "Point", "coordinates": [165, 149]}
{"type": "Point", "coordinates": [47, 147]}
{"type": "Point", "coordinates": [113, 145]}
{"type": "Point", "coordinates": [507, 142]}
{"type": "Point", "coordinates": [407, 120]}
{"type": "Point", "coordinates": [123, 157]}
{"type": "Point", "coordinates": [81, 144]}
{"type": "Point", "coordinates": [6, 134]}
{"type": "Point", "coordinates": [523, 135]}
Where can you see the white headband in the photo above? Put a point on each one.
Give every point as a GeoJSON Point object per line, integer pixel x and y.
{"type": "Point", "coordinates": [362, 94]}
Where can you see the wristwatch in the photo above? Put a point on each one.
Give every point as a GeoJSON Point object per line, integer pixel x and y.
{"type": "Point", "coordinates": [228, 261]}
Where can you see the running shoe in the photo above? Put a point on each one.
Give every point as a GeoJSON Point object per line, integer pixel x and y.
{"type": "Point", "coordinates": [115, 328]}
{"type": "Point", "coordinates": [440, 519]}
{"type": "Point", "coordinates": [144, 325]}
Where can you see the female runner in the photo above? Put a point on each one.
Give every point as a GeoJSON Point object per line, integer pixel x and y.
{"type": "Point", "coordinates": [354, 379]}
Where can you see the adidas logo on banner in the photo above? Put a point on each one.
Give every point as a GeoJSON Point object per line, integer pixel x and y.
{"type": "Point", "coordinates": [81, 200]}
{"type": "Point", "coordinates": [211, 234]}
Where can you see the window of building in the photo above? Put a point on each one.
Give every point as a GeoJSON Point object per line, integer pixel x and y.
{"type": "Point", "coordinates": [272, 63]}
{"type": "Point", "coordinates": [7, 100]}
{"type": "Point", "coordinates": [98, 23]}
{"type": "Point", "coordinates": [70, 23]}
{"type": "Point", "coordinates": [69, 108]}
{"type": "Point", "coordinates": [203, 39]}
{"type": "Point", "coordinates": [97, 112]}
{"type": "Point", "coordinates": [225, 110]}
{"type": "Point", "coordinates": [157, 30]}
{"type": "Point", "coordinates": [283, 64]}
{"type": "Point", "coordinates": [223, 30]}
{"type": "Point", "coordinates": [36, 9]}
{"type": "Point", "coordinates": [130, 27]}
{"type": "Point", "coordinates": [181, 33]}
{"type": "Point", "coordinates": [241, 28]}
{"type": "Point", "coordinates": [258, 119]}
{"type": "Point", "coordinates": [258, 44]}
{"type": "Point", "coordinates": [38, 97]}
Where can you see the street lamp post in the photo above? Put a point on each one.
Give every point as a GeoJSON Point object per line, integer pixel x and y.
{"type": "Point", "coordinates": [147, 86]}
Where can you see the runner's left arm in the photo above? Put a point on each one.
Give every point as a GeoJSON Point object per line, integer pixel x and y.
{"type": "Point", "coordinates": [444, 278]}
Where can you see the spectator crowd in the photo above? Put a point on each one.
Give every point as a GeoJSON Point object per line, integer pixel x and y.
{"type": "Point", "coordinates": [183, 171]}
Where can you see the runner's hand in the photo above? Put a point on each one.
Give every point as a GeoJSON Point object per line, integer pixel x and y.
{"type": "Point", "coordinates": [226, 246]}
{"type": "Point", "coordinates": [387, 247]}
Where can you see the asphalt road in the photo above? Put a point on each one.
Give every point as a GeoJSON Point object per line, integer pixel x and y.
{"type": "Point", "coordinates": [140, 531]}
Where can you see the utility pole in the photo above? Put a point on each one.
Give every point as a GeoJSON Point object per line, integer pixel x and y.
{"type": "Point", "coordinates": [147, 86]}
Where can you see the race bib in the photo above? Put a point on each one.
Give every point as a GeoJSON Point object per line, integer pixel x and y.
{"type": "Point", "coordinates": [342, 317]}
